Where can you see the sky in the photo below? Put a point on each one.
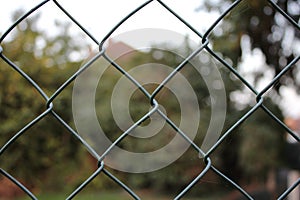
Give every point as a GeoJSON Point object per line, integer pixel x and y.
{"type": "Point", "coordinates": [98, 17]}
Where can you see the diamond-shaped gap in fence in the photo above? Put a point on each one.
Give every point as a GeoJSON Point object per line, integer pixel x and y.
{"type": "Point", "coordinates": [140, 97]}
{"type": "Point", "coordinates": [98, 10]}
{"type": "Point", "coordinates": [133, 19]}
{"type": "Point", "coordinates": [45, 152]}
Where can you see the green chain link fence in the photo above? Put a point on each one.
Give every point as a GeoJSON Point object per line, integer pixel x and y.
{"type": "Point", "coordinates": [209, 165]}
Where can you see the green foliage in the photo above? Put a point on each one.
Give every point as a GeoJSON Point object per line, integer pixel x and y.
{"type": "Point", "coordinates": [249, 150]}
{"type": "Point", "coordinates": [258, 147]}
{"type": "Point", "coordinates": [267, 29]}
{"type": "Point", "coordinates": [47, 155]}
{"type": "Point", "coordinates": [38, 157]}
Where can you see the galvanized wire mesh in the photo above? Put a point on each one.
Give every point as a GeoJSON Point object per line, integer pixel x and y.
{"type": "Point", "coordinates": [102, 53]}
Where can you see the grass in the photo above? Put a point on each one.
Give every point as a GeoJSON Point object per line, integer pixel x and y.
{"type": "Point", "coordinates": [81, 196]}
{"type": "Point", "coordinates": [108, 195]}
{"type": "Point", "coordinates": [86, 196]}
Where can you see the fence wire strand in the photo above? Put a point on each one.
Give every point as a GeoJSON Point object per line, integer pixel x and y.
{"type": "Point", "coordinates": [209, 166]}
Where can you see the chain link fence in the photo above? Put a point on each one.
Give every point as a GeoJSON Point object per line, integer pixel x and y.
{"type": "Point", "coordinates": [102, 54]}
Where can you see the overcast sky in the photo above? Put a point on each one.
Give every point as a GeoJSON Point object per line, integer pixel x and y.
{"type": "Point", "coordinates": [98, 17]}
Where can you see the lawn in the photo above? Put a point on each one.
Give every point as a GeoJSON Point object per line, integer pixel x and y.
{"type": "Point", "coordinates": [82, 196]}
{"type": "Point", "coordinates": [116, 195]}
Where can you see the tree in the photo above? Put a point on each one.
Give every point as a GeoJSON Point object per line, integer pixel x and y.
{"type": "Point", "coordinates": [275, 36]}
{"type": "Point", "coordinates": [266, 30]}
{"type": "Point", "coordinates": [38, 158]}
{"type": "Point", "coordinates": [234, 156]}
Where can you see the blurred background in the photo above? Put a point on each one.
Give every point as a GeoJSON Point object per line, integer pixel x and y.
{"type": "Point", "coordinates": [254, 38]}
